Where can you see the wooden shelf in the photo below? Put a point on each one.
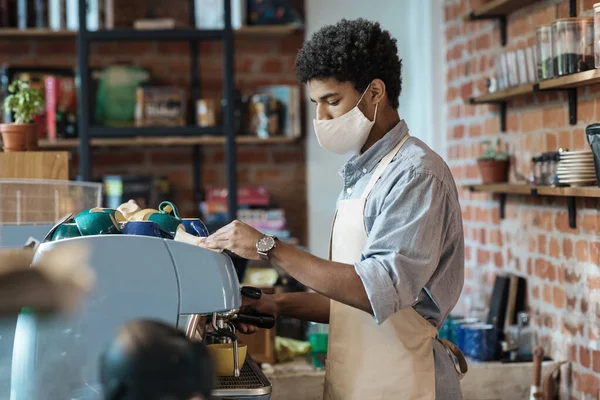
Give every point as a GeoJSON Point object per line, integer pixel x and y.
{"type": "Point", "coordinates": [496, 8]}
{"type": "Point", "coordinates": [33, 33]}
{"type": "Point", "coordinates": [504, 189]}
{"type": "Point", "coordinates": [118, 34]}
{"type": "Point", "coordinates": [502, 95]}
{"type": "Point", "coordinates": [164, 141]}
{"type": "Point", "coordinates": [519, 188]}
{"type": "Point", "coordinates": [585, 78]}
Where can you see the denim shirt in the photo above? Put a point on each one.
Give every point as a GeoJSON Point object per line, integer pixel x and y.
{"type": "Point", "coordinates": [414, 256]}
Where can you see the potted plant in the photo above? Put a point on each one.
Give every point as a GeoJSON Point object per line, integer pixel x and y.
{"type": "Point", "coordinates": [493, 164]}
{"type": "Point", "coordinates": [24, 102]}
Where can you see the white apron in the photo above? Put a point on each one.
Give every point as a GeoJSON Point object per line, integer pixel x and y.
{"type": "Point", "coordinates": [366, 361]}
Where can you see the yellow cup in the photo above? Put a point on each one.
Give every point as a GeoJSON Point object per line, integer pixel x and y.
{"type": "Point", "coordinates": [222, 355]}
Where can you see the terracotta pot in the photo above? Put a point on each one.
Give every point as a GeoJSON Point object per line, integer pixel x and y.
{"type": "Point", "coordinates": [493, 171]}
{"type": "Point", "coordinates": [16, 137]}
{"type": "Point", "coordinates": [33, 135]}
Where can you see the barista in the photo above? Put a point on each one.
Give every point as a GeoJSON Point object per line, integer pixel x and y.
{"type": "Point", "coordinates": [396, 261]}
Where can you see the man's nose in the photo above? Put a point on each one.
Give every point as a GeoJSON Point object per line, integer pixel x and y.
{"type": "Point", "coordinates": [322, 113]}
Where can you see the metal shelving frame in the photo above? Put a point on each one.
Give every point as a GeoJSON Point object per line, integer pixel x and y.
{"type": "Point", "coordinates": [193, 36]}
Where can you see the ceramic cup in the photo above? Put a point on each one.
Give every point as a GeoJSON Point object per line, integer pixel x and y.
{"type": "Point", "coordinates": [480, 341]}
{"type": "Point", "coordinates": [66, 231]}
{"type": "Point", "coordinates": [97, 221]}
{"type": "Point", "coordinates": [167, 217]}
{"type": "Point", "coordinates": [195, 226]}
{"type": "Point", "coordinates": [145, 228]}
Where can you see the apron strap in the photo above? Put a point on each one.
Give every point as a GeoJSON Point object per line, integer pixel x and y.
{"type": "Point", "coordinates": [458, 359]}
{"type": "Point", "coordinates": [385, 161]}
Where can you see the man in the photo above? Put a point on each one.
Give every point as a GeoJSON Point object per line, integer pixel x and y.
{"type": "Point", "coordinates": [396, 255]}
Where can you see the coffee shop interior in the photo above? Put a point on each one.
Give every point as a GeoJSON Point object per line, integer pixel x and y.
{"type": "Point", "coordinates": [131, 128]}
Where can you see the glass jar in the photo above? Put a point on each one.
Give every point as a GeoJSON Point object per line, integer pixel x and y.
{"type": "Point", "coordinates": [545, 60]}
{"type": "Point", "coordinates": [545, 174]}
{"type": "Point", "coordinates": [537, 170]}
{"type": "Point", "coordinates": [573, 45]}
{"type": "Point", "coordinates": [597, 35]}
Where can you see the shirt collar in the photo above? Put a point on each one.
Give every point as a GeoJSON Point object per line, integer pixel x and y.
{"type": "Point", "coordinates": [370, 158]}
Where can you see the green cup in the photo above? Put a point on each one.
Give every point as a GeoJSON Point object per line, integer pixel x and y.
{"type": "Point", "coordinates": [167, 217]}
{"type": "Point", "coordinates": [66, 231]}
{"type": "Point", "coordinates": [97, 221]}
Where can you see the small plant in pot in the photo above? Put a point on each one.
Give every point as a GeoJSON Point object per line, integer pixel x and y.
{"type": "Point", "coordinates": [24, 102]}
{"type": "Point", "coordinates": [493, 164]}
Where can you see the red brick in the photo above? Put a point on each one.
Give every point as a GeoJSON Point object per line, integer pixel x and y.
{"type": "Point", "coordinates": [572, 353]}
{"type": "Point", "coordinates": [567, 248]}
{"type": "Point", "coordinates": [466, 90]}
{"type": "Point", "coordinates": [559, 297]}
{"type": "Point", "coordinates": [483, 257]}
{"type": "Point", "coordinates": [554, 117]}
{"type": "Point", "coordinates": [582, 251]}
{"type": "Point", "coordinates": [596, 358]}
{"type": "Point", "coordinates": [535, 292]}
{"type": "Point", "coordinates": [584, 357]}
{"type": "Point", "coordinates": [542, 15]}
{"type": "Point", "coordinates": [458, 132]}
{"type": "Point", "coordinates": [475, 131]}
{"type": "Point", "coordinates": [593, 282]}
{"type": "Point", "coordinates": [482, 42]}
{"type": "Point", "coordinates": [564, 140]}
{"type": "Point", "coordinates": [580, 141]}
{"type": "Point", "coordinates": [267, 175]}
{"type": "Point", "coordinates": [253, 156]}
{"type": "Point", "coordinates": [571, 303]}
{"type": "Point", "coordinates": [562, 222]}
{"type": "Point", "coordinates": [547, 294]}
{"type": "Point", "coordinates": [498, 260]}
{"type": "Point", "coordinates": [542, 244]}
{"type": "Point", "coordinates": [553, 248]}
{"type": "Point", "coordinates": [585, 111]}
{"type": "Point", "coordinates": [595, 253]}
{"type": "Point", "coordinates": [170, 157]}
{"type": "Point", "coordinates": [272, 66]}
{"type": "Point", "coordinates": [588, 384]}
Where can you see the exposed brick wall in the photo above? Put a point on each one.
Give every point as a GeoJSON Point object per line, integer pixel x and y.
{"type": "Point", "coordinates": [259, 60]}
{"type": "Point", "coordinates": [534, 240]}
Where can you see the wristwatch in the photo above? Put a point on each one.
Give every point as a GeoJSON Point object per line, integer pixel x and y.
{"type": "Point", "coordinates": [264, 245]}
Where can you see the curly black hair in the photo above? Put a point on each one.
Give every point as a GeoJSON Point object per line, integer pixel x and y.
{"type": "Point", "coordinates": [355, 51]}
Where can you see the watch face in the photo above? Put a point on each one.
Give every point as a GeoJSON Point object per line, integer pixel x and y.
{"type": "Point", "coordinates": [265, 244]}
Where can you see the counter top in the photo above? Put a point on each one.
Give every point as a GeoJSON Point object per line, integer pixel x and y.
{"type": "Point", "coordinates": [298, 379]}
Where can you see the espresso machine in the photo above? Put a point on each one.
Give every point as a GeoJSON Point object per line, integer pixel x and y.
{"type": "Point", "coordinates": [194, 289]}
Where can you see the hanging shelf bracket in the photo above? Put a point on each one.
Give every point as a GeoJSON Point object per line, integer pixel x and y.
{"type": "Point", "coordinates": [501, 21]}
{"type": "Point", "coordinates": [571, 208]}
{"type": "Point", "coordinates": [572, 99]}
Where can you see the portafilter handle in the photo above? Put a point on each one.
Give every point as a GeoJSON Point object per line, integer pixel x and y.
{"type": "Point", "coordinates": [265, 321]}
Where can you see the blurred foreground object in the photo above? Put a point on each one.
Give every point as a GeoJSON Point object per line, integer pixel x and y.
{"type": "Point", "coordinates": [151, 360]}
{"type": "Point", "coordinates": [55, 284]}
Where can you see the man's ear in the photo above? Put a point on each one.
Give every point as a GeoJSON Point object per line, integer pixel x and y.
{"type": "Point", "coordinates": [377, 91]}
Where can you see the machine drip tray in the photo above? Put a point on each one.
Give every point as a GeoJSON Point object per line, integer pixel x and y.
{"type": "Point", "coordinates": [251, 382]}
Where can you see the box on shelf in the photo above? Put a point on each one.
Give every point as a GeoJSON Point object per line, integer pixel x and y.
{"type": "Point", "coordinates": [160, 106]}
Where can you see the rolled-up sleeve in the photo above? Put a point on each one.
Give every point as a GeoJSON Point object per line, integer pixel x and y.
{"type": "Point", "coordinates": [404, 244]}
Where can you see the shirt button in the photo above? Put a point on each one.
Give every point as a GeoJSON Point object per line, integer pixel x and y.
{"type": "Point", "coordinates": [364, 170]}
{"type": "Point", "coordinates": [349, 190]}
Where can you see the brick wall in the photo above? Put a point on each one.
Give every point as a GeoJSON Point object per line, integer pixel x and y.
{"type": "Point", "coordinates": [259, 60]}
{"type": "Point", "coordinates": [534, 240]}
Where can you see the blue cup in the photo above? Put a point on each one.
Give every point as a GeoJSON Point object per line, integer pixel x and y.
{"type": "Point", "coordinates": [480, 341]}
{"type": "Point", "coordinates": [145, 228]}
{"type": "Point", "coordinates": [195, 226]}
{"type": "Point", "coordinates": [460, 331]}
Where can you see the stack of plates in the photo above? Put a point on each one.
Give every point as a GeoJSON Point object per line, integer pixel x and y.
{"type": "Point", "coordinates": [576, 168]}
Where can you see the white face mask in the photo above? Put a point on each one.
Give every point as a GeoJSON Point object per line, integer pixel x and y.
{"type": "Point", "coordinates": [346, 133]}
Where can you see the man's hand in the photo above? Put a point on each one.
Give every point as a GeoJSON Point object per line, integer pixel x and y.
{"type": "Point", "coordinates": [265, 305]}
{"type": "Point", "coordinates": [237, 237]}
